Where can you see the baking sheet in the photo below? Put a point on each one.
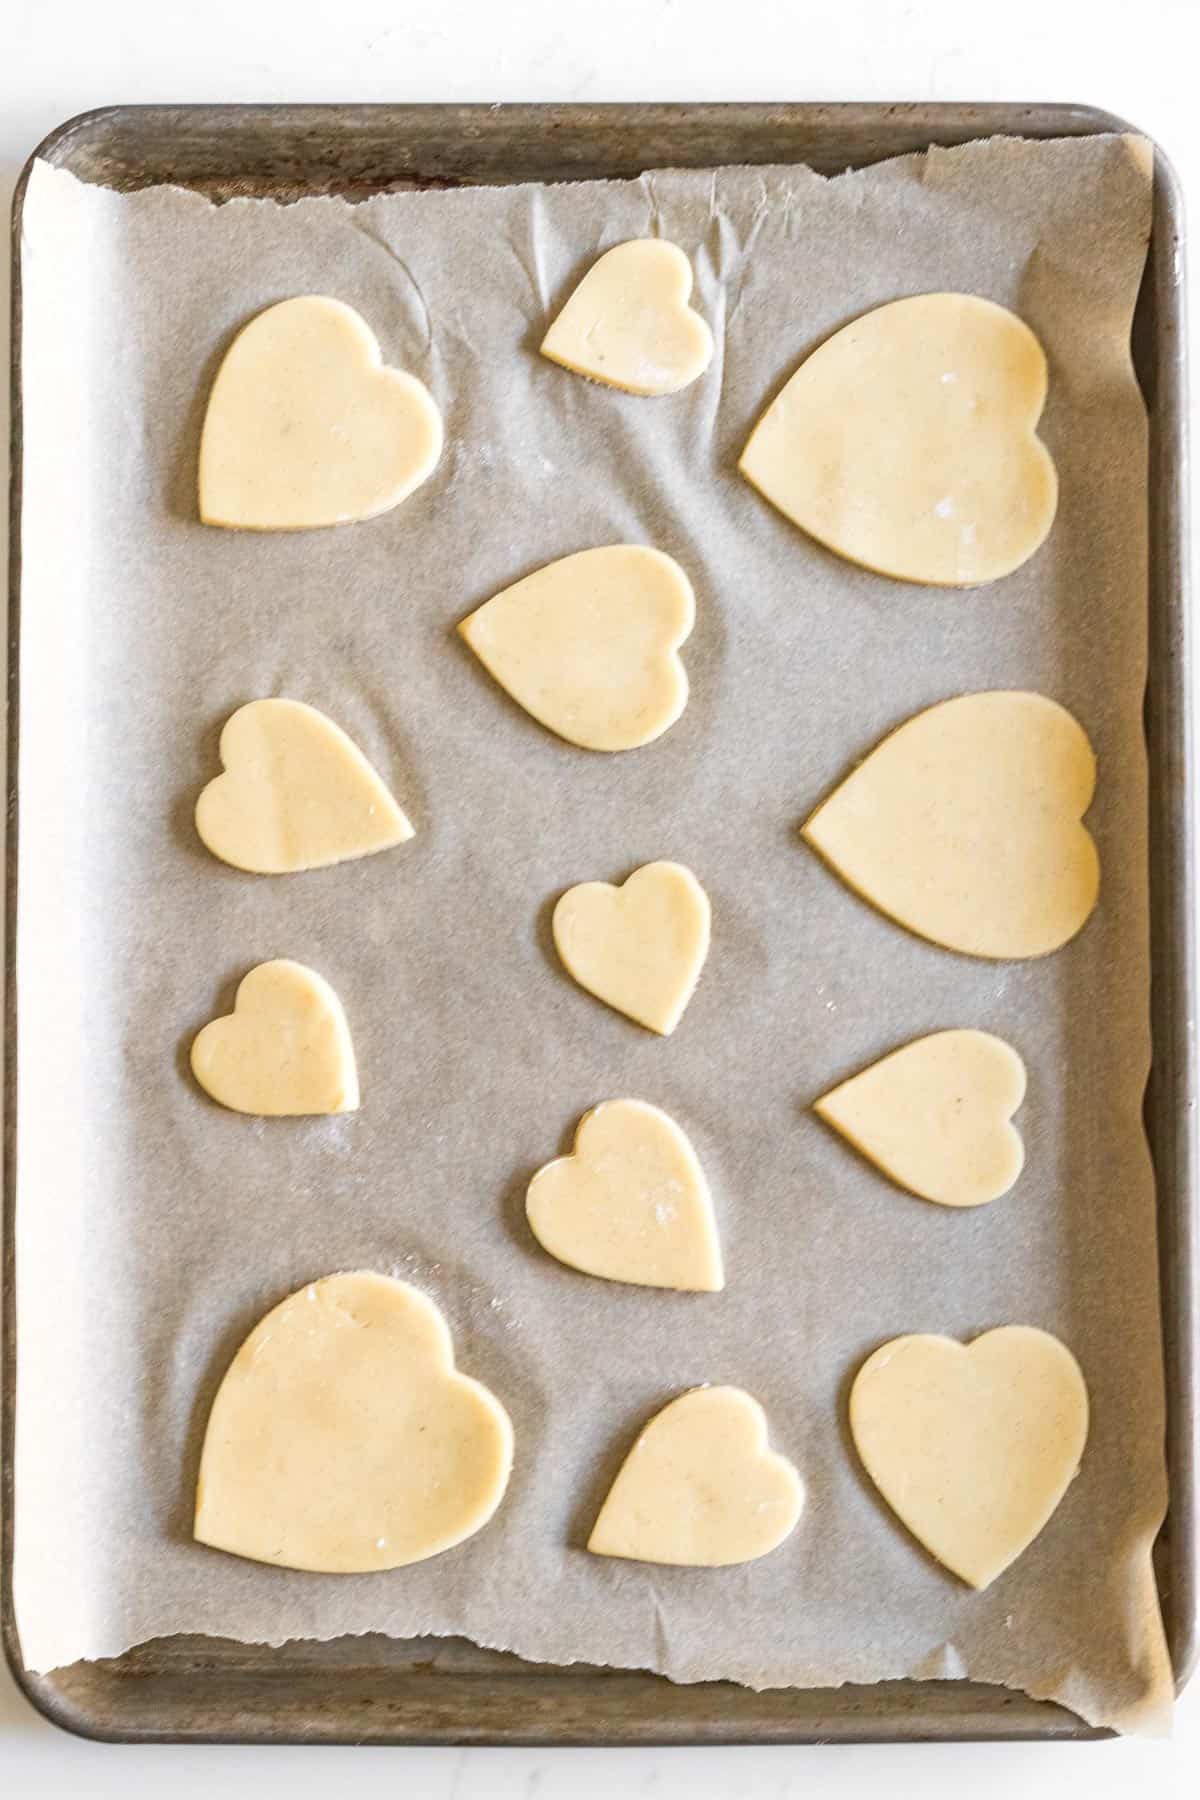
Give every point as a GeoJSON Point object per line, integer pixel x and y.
{"type": "Point", "coordinates": [153, 1230]}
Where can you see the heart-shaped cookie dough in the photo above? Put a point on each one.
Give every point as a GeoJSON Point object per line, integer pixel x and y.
{"type": "Point", "coordinates": [305, 426]}
{"type": "Point", "coordinates": [700, 1488]}
{"type": "Point", "coordinates": [589, 644]}
{"type": "Point", "coordinates": [639, 947]}
{"type": "Point", "coordinates": [284, 1050]}
{"type": "Point", "coordinates": [630, 1203]}
{"type": "Point", "coordinates": [935, 1116]}
{"type": "Point", "coordinates": [972, 1445]}
{"type": "Point", "coordinates": [628, 323]}
{"type": "Point", "coordinates": [907, 442]}
{"type": "Point", "coordinates": [965, 826]}
{"type": "Point", "coordinates": [343, 1439]}
{"type": "Point", "coordinates": [297, 793]}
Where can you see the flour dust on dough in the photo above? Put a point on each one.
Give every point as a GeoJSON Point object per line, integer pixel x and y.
{"type": "Point", "coordinates": [972, 1445]}
{"type": "Point", "coordinates": [283, 1051]}
{"type": "Point", "coordinates": [629, 324]}
{"type": "Point", "coordinates": [907, 442]}
{"type": "Point", "coordinates": [589, 645]}
{"type": "Point", "coordinates": [630, 1203]}
{"type": "Point", "coordinates": [639, 947]}
{"type": "Point", "coordinates": [701, 1488]}
{"type": "Point", "coordinates": [306, 427]}
{"type": "Point", "coordinates": [296, 794]}
{"type": "Point", "coordinates": [344, 1440]}
{"type": "Point", "coordinates": [936, 1116]}
{"type": "Point", "coordinates": [965, 826]}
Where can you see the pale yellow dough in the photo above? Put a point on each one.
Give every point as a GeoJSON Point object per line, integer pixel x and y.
{"type": "Point", "coordinates": [305, 426]}
{"type": "Point", "coordinates": [972, 1446]}
{"type": "Point", "coordinates": [965, 826]}
{"type": "Point", "coordinates": [628, 323]}
{"type": "Point", "coordinates": [284, 1050]}
{"type": "Point", "coordinates": [700, 1488]}
{"type": "Point", "coordinates": [589, 644]}
{"type": "Point", "coordinates": [907, 442]}
{"type": "Point", "coordinates": [343, 1439]}
{"type": "Point", "coordinates": [935, 1116]}
{"type": "Point", "coordinates": [639, 947]}
{"type": "Point", "coordinates": [630, 1203]}
{"type": "Point", "coordinates": [297, 793]}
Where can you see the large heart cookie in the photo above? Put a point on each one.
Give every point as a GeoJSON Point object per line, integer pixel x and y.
{"type": "Point", "coordinates": [700, 1488]}
{"type": "Point", "coordinates": [630, 1203]}
{"type": "Point", "coordinates": [639, 947]}
{"type": "Point", "coordinates": [972, 1446]}
{"type": "Point", "coordinates": [589, 644]}
{"type": "Point", "coordinates": [935, 1116]}
{"type": "Point", "coordinates": [907, 442]}
{"type": "Point", "coordinates": [284, 1050]}
{"type": "Point", "coordinates": [305, 427]}
{"type": "Point", "coordinates": [297, 793]}
{"type": "Point", "coordinates": [965, 826]}
{"type": "Point", "coordinates": [628, 323]}
{"type": "Point", "coordinates": [343, 1439]}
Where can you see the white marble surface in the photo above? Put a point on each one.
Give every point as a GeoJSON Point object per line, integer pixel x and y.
{"type": "Point", "coordinates": [58, 57]}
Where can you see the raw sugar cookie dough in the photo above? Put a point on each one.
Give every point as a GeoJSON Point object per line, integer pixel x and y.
{"type": "Point", "coordinates": [628, 323]}
{"type": "Point", "coordinates": [972, 1445]}
{"type": "Point", "coordinates": [297, 793]}
{"type": "Point", "coordinates": [589, 645]}
{"type": "Point", "coordinates": [907, 442]}
{"type": "Point", "coordinates": [306, 427]}
{"type": "Point", "coordinates": [283, 1051]}
{"type": "Point", "coordinates": [701, 1488]}
{"type": "Point", "coordinates": [639, 947]}
{"type": "Point", "coordinates": [936, 1116]}
{"type": "Point", "coordinates": [965, 826]}
{"type": "Point", "coordinates": [343, 1439]}
{"type": "Point", "coordinates": [630, 1203]}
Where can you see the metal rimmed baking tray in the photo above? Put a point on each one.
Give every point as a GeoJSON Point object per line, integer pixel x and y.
{"type": "Point", "coordinates": [379, 1690]}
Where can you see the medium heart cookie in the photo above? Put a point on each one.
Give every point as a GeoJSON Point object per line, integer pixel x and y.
{"type": "Point", "coordinates": [630, 1203]}
{"type": "Point", "coordinates": [296, 794]}
{"type": "Point", "coordinates": [639, 947]}
{"type": "Point", "coordinates": [907, 442]}
{"type": "Point", "coordinates": [935, 1116]}
{"type": "Point", "coordinates": [283, 1051]}
{"type": "Point", "coordinates": [972, 1445]}
{"type": "Point", "coordinates": [305, 426]}
{"type": "Point", "coordinates": [589, 644]}
{"type": "Point", "coordinates": [700, 1488]}
{"type": "Point", "coordinates": [343, 1439]}
{"type": "Point", "coordinates": [628, 323]}
{"type": "Point", "coordinates": [965, 826]}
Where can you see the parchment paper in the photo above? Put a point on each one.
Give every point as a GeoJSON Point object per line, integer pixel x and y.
{"type": "Point", "coordinates": [154, 1229]}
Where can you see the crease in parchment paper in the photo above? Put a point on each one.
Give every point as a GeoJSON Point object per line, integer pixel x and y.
{"type": "Point", "coordinates": [154, 1230]}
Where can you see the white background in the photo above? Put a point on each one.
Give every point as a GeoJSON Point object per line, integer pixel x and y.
{"type": "Point", "coordinates": [58, 57]}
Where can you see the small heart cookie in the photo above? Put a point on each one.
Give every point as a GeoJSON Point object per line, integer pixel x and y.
{"type": "Point", "coordinates": [589, 644]}
{"type": "Point", "coordinates": [343, 1439]}
{"type": "Point", "coordinates": [972, 1445]}
{"type": "Point", "coordinates": [297, 793]}
{"type": "Point", "coordinates": [630, 1203]}
{"type": "Point", "coordinates": [628, 323]}
{"type": "Point", "coordinates": [639, 947]}
{"type": "Point", "coordinates": [935, 1116]}
{"type": "Point", "coordinates": [965, 826]}
{"type": "Point", "coordinates": [700, 1489]}
{"type": "Point", "coordinates": [305, 426]}
{"type": "Point", "coordinates": [907, 442]}
{"type": "Point", "coordinates": [283, 1051]}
